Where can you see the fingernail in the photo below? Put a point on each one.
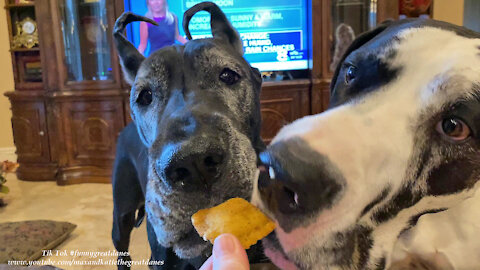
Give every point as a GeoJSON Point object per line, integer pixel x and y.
{"type": "Point", "coordinates": [224, 245]}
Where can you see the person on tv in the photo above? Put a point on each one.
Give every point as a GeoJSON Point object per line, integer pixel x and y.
{"type": "Point", "coordinates": [162, 35]}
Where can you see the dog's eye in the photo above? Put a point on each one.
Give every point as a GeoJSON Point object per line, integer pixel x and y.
{"type": "Point", "coordinates": [454, 129]}
{"type": "Point", "coordinates": [145, 97]}
{"type": "Point", "coordinates": [229, 76]}
{"type": "Point", "coordinates": [350, 74]}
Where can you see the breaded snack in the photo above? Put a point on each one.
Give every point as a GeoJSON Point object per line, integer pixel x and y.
{"type": "Point", "coordinates": [235, 216]}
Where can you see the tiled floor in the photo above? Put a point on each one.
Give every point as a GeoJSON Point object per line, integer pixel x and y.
{"type": "Point", "coordinates": [87, 205]}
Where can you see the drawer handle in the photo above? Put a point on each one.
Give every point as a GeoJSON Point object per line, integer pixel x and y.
{"type": "Point", "coordinates": [41, 133]}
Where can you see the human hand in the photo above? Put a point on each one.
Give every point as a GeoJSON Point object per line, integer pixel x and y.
{"type": "Point", "coordinates": [228, 254]}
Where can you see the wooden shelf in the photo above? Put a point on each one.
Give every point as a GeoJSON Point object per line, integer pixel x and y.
{"type": "Point", "coordinates": [34, 49]}
{"type": "Point", "coordinates": [9, 6]}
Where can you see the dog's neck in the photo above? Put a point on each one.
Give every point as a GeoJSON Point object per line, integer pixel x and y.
{"type": "Point", "coordinates": [395, 236]}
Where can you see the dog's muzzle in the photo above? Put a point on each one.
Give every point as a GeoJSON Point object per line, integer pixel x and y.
{"type": "Point", "coordinates": [296, 182]}
{"type": "Point", "coordinates": [194, 164]}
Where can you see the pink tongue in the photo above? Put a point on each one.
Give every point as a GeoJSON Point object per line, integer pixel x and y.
{"type": "Point", "coordinates": [279, 260]}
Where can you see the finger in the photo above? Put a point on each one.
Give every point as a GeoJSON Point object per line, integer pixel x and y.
{"type": "Point", "coordinates": [208, 264]}
{"type": "Point", "coordinates": [228, 253]}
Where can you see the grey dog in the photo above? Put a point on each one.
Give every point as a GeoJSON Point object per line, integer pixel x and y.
{"type": "Point", "coordinates": [194, 140]}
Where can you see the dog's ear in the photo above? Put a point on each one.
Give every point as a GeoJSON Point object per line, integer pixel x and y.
{"type": "Point", "coordinates": [221, 27]}
{"type": "Point", "coordinates": [257, 74]}
{"type": "Point", "coordinates": [130, 57]}
{"type": "Point", "coordinates": [357, 43]}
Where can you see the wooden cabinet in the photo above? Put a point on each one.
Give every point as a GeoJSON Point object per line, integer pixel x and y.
{"type": "Point", "coordinates": [31, 136]}
{"type": "Point", "coordinates": [66, 121]}
{"type": "Point", "coordinates": [89, 129]}
{"type": "Point", "coordinates": [282, 103]}
{"type": "Point", "coordinates": [30, 131]}
{"type": "Point", "coordinates": [70, 101]}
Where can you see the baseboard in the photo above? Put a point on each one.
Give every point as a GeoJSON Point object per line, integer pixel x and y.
{"type": "Point", "coordinates": [8, 153]}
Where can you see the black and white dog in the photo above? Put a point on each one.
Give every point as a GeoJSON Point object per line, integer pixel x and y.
{"type": "Point", "coordinates": [387, 178]}
{"type": "Point", "coordinates": [194, 142]}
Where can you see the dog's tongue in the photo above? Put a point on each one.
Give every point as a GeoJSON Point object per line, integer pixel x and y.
{"type": "Point", "coordinates": [279, 259]}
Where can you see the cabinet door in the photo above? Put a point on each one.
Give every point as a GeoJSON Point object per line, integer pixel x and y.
{"type": "Point", "coordinates": [91, 130]}
{"type": "Point", "coordinates": [282, 104]}
{"type": "Point", "coordinates": [86, 45]}
{"type": "Point", "coordinates": [30, 132]}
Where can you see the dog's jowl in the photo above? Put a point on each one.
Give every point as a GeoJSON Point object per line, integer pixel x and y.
{"type": "Point", "coordinates": [394, 161]}
{"type": "Point", "coordinates": [195, 138]}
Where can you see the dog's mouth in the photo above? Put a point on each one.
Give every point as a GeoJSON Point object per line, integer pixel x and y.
{"type": "Point", "coordinates": [191, 245]}
{"type": "Point", "coordinates": [271, 246]}
{"type": "Point", "coordinates": [275, 253]}
{"type": "Point", "coordinates": [170, 208]}
{"type": "Point", "coordinates": [290, 237]}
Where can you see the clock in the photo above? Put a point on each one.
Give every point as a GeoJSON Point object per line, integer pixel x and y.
{"type": "Point", "coordinates": [26, 35]}
{"type": "Point", "coordinates": [29, 27]}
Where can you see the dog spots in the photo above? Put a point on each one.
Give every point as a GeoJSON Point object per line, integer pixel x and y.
{"type": "Point", "coordinates": [364, 244]}
{"type": "Point", "coordinates": [371, 74]}
{"type": "Point", "coordinates": [457, 166]}
{"type": "Point", "coordinates": [405, 198]}
{"type": "Point", "coordinates": [376, 201]}
{"type": "Point", "coordinates": [413, 220]}
{"type": "Point", "coordinates": [425, 156]}
{"type": "Point", "coordinates": [380, 265]}
{"type": "Point", "coordinates": [452, 177]}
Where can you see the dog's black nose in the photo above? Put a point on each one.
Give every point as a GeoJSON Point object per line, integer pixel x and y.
{"type": "Point", "coordinates": [296, 179]}
{"type": "Point", "coordinates": [194, 170]}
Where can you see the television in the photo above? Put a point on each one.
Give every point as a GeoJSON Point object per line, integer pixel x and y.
{"type": "Point", "coordinates": [275, 33]}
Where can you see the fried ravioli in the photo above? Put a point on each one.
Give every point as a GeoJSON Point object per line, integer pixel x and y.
{"type": "Point", "coordinates": [235, 216]}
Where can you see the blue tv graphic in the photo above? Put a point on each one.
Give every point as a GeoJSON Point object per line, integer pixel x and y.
{"type": "Point", "coordinates": [247, 21]}
{"type": "Point", "coordinates": [274, 33]}
{"type": "Point", "coordinates": [274, 46]}
{"type": "Point", "coordinates": [245, 4]}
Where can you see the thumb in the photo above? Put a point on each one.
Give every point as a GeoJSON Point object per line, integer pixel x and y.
{"type": "Point", "coordinates": [228, 254]}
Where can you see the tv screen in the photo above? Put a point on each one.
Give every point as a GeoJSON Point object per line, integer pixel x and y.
{"type": "Point", "coordinates": [274, 33]}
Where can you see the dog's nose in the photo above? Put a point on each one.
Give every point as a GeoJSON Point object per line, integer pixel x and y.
{"type": "Point", "coordinates": [296, 179]}
{"type": "Point", "coordinates": [194, 170]}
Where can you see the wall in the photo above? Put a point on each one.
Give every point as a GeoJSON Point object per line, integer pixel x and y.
{"type": "Point", "coordinates": [6, 84]}
{"type": "Point", "coordinates": [448, 10]}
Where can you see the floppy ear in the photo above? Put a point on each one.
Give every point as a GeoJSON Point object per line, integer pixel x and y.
{"type": "Point", "coordinates": [357, 43]}
{"type": "Point", "coordinates": [221, 27]}
{"type": "Point", "coordinates": [130, 57]}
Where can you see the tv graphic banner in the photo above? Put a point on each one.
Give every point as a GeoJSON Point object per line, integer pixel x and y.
{"type": "Point", "coordinates": [274, 34]}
